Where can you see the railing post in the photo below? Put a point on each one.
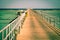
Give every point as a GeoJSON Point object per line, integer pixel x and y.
{"type": "Point", "coordinates": [54, 21]}
{"type": "Point", "coordinates": [9, 31]}
{"type": "Point", "coordinates": [6, 32]}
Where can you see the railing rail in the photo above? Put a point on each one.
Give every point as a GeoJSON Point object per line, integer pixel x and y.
{"type": "Point", "coordinates": [10, 31]}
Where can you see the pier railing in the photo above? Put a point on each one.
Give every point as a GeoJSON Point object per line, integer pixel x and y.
{"type": "Point", "coordinates": [51, 21]}
{"type": "Point", "coordinates": [54, 21]}
{"type": "Point", "coordinates": [11, 30]}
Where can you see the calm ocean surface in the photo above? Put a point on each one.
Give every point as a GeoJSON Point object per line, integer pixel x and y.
{"type": "Point", "coordinates": [7, 16]}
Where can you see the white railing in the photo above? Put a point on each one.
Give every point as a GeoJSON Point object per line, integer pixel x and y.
{"type": "Point", "coordinates": [54, 21]}
{"type": "Point", "coordinates": [10, 31]}
{"type": "Point", "coordinates": [51, 19]}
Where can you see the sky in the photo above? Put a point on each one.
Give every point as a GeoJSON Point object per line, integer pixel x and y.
{"type": "Point", "coordinates": [29, 3]}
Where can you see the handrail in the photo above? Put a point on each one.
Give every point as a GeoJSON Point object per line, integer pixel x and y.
{"type": "Point", "coordinates": [7, 26]}
{"type": "Point", "coordinates": [11, 28]}
{"type": "Point", "coordinates": [46, 14]}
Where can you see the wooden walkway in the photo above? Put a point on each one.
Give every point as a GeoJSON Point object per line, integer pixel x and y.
{"type": "Point", "coordinates": [33, 29]}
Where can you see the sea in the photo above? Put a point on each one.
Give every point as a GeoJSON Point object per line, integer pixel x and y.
{"type": "Point", "coordinates": [6, 16]}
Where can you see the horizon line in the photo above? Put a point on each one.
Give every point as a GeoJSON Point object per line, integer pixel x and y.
{"type": "Point", "coordinates": [29, 8]}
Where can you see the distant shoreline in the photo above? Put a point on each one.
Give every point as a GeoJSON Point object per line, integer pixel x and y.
{"type": "Point", "coordinates": [32, 8]}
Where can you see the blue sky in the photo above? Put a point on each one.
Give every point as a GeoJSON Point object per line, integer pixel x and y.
{"type": "Point", "coordinates": [29, 3]}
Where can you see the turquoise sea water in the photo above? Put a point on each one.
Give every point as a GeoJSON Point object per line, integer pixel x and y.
{"type": "Point", "coordinates": [55, 13]}
{"type": "Point", "coordinates": [7, 16]}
